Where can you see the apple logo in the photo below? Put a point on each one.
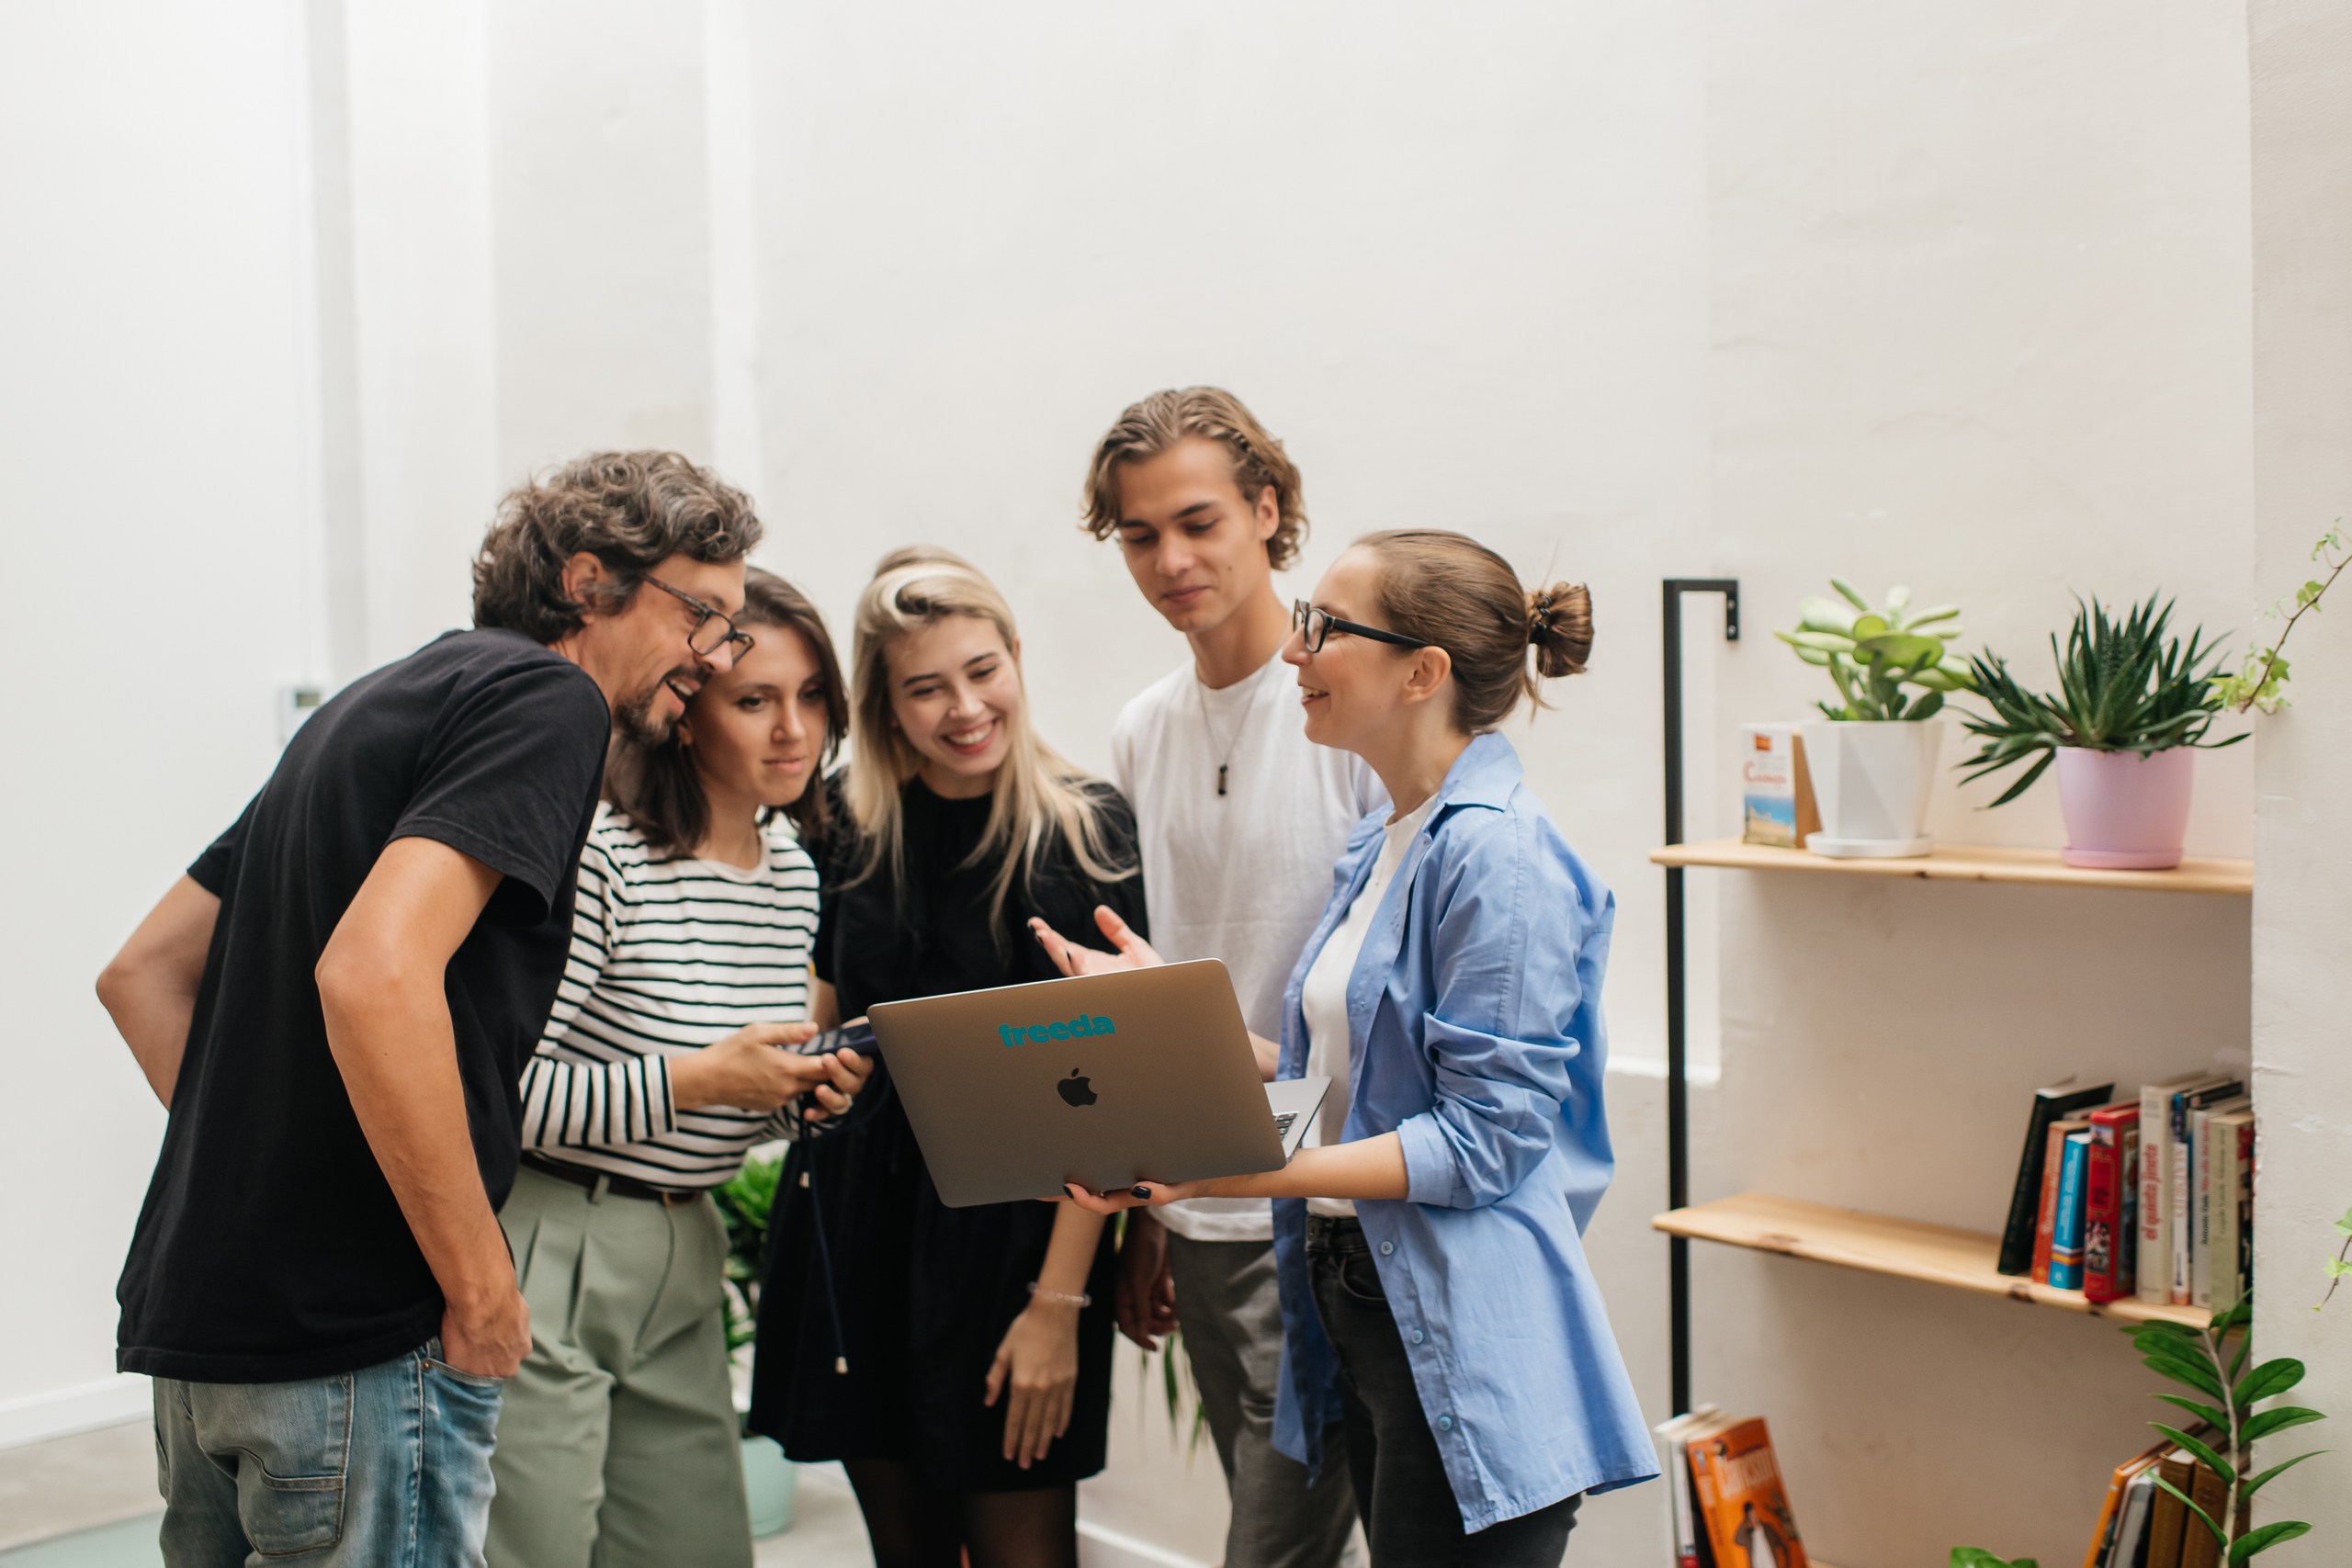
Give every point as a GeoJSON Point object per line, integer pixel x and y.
{"type": "Point", "coordinates": [1074, 1090]}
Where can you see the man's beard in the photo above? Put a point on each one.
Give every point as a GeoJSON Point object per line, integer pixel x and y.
{"type": "Point", "coordinates": [636, 718]}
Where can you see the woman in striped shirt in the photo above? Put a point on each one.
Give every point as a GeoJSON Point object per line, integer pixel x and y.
{"type": "Point", "coordinates": [659, 1070]}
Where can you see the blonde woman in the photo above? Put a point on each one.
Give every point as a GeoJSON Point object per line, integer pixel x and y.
{"type": "Point", "coordinates": [957, 1360]}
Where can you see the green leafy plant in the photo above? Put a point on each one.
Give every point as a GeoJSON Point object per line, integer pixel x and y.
{"type": "Point", "coordinates": [2212, 1363]}
{"type": "Point", "coordinates": [745, 1203]}
{"type": "Point", "coordinates": [2122, 686]}
{"type": "Point", "coordinates": [1874, 653]}
{"type": "Point", "coordinates": [2261, 681]}
{"type": "Point", "coordinates": [2341, 1264]}
{"type": "Point", "coordinates": [1977, 1557]}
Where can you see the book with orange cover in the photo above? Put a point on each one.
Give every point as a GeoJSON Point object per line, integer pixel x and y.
{"type": "Point", "coordinates": [2046, 1226]}
{"type": "Point", "coordinates": [2103, 1538]}
{"type": "Point", "coordinates": [1741, 1498]}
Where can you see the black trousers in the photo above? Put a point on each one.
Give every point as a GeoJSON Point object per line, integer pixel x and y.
{"type": "Point", "coordinates": [1407, 1502]}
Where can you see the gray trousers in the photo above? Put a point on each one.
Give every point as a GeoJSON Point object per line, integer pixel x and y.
{"type": "Point", "coordinates": [1229, 1309]}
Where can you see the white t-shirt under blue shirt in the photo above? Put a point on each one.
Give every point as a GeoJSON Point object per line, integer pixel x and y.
{"type": "Point", "coordinates": [1241, 876]}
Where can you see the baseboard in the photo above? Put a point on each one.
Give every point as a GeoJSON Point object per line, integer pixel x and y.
{"type": "Point", "coordinates": [109, 1402]}
{"type": "Point", "coordinates": [1102, 1548]}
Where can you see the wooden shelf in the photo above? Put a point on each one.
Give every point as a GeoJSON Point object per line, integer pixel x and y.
{"type": "Point", "coordinates": [1877, 1245]}
{"type": "Point", "coordinates": [1971, 863]}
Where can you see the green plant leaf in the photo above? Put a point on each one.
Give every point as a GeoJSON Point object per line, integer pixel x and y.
{"type": "Point", "coordinates": [2338, 1267]}
{"type": "Point", "coordinates": [2249, 1489]}
{"type": "Point", "coordinates": [1869, 625]}
{"type": "Point", "coordinates": [2204, 1413]}
{"type": "Point", "coordinates": [2278, 1419]}
{"type": "Point", "coordinates": [2239, 1316]}
{"type": "Point", "coordinates": [2198, 1446]}
{"type": "Point", "coordinates": [2206, 1519]}
{"type": "Point", "coordinates": [2272, 1377]}
{"type": "Point", "coordinates": [1977, 1557]}
{"type": "Point", "coordinates": [1846, 591]}
{"type": "Point", "coordinates": [2197, 1375]}
{"type": "Point", "coordinates": [2344, 1225]}
{"type": "Point", "coordinates": [2266, 1537]}
{"type": "Point", "coordinates": [2161, 1331]}
{"type": "Point", "coordinates": [1926, 707]}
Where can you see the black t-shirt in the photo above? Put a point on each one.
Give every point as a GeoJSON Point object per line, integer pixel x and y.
{"type": "Point", "coordinates": [270, 1246]}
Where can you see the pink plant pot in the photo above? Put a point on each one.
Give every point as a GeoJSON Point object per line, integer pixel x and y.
{"type": "Point", "coordinates": [2124, 811]}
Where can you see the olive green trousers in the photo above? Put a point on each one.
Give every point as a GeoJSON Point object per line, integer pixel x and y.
{"type": "Point", "coordinates": [618, 1441]}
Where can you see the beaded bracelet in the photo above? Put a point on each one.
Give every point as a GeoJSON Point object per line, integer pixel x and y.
{"type": "Point", "coordinates": [1062, 1296]}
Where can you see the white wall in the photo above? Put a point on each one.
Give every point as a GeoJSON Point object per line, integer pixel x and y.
{"type": "Point", "coordinates": [154, 427]}
{"type": "Point", "coordinates": [2303, 911]}
{"type": "Point", "coordinates": [1777, 289]}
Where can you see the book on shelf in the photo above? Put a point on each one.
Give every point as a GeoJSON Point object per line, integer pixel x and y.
{"type": "Point", "coordinates": [2167, 1518]}
{"type": "Point", "coordinates": [2053, 1103]}
{"type": "Point", "coordinates": [2198, 1547]}
{"type": "Point", "coordinates": [2066, 1224]}
{"type": "Point", "coordinates": [2179, 1156]}
{"type": "Point", "coordinates": [2227, 1262]}
{"type": "Point", "coordinates": [2117, 1507]}
{"type": "Point", "coordinates": [1674, 1465]}
{"type": "Point", "coordinates": [2203, 1196]}
{"type": "Point", "coordinates": [1775, 787]}
{"type": "Point", "coordinates": [1743, 1507]}
{"type": "Point", "coordinates": [2111, 1203]}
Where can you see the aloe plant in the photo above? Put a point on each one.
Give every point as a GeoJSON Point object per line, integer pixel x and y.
{"type": "Point", "coordinates": [2122, 686]}
{"type": "Point", "coordinates": [1874, 653]}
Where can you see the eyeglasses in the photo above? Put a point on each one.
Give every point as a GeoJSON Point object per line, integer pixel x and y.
{"type": "Point", "coordinates": [1316, 624]}
{"type": "Point", "coordinates": [713, 631]}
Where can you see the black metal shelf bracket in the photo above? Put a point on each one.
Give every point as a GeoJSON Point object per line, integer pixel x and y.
{"type": "Point", "coordinates": [1678, 1081]}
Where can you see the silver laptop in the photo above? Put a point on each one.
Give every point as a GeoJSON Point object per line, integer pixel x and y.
{"type": "Point", "coordinates": [1101, 1079]}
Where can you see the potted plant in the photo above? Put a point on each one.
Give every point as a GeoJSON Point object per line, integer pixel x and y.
{"type": "Point", "coordinates": [2131, 706]}
{"type": "Point", "coordinates": [771, 1484]}
{"type": "Point", "coordinates": [1873, 753]}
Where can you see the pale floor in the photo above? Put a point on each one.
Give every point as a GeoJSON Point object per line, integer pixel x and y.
{"type": "Point", "coordinates": [88, 1501]}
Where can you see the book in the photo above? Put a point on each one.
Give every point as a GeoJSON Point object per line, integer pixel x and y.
{"type": "Point", "coordinates": [2198, 1547]}
{"type": "Point", "coordinates": [2154, 1262]}
{"type": "Point", "coordinates": [2110, 1204]}
{"type": "Point", "coordinates": [2129, 1546]}
{"type": "Point", "coordinates": [2185, 1103]}
{"type": "Point", "coordinates": [1673, 1467]}
{"type": "Point", "coordinates": [2229, 1259]}
{"type": "Point", "coordinates": [1775, 787]}
{"type": "Point", "coordinates": [2066, 1225]}
{"type": "Point", "coordinates": [2110, 1511]}
{"type": "Point", "coordinates": [2045, 1227]}
{"type": "Point", "coordinates": [2200, 1200]}
{"type": "Point", "coordinates": [2166, 1516]}
{"type": "Point", "coordinates": [1741, 1500]}
{"type": "Point", "coordinates": [2049, 1104]}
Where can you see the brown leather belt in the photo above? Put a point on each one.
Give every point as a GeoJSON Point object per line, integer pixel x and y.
{"type": "Point", "coordinates": [619, 1185]}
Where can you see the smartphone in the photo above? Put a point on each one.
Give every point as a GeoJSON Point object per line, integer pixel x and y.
{"type": "Point", "coordinates": [857, 1036]}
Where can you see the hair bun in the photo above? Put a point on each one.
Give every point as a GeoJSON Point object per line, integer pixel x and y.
{"type": "Point", "coordinates": [1559, 628]}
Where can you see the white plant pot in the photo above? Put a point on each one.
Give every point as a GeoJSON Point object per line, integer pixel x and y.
{"type": "Point", "coordinates": [1872, 783]}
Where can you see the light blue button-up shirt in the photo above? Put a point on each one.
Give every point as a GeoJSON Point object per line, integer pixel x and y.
{"type": "Point", "coordinates": [1474, 1034]}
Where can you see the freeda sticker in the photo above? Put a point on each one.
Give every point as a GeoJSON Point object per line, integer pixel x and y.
{"type": "Point", "coordinates": [1039, 1033]}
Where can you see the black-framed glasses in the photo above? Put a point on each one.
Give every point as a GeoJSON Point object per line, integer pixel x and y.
{"type": "Point", "coordinates": [1316, 624]}
{"type": "Point", "coordinates": [714, 631]}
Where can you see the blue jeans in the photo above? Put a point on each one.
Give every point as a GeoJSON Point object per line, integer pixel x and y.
{"type": "Point", "coordinates": [386, 1467]}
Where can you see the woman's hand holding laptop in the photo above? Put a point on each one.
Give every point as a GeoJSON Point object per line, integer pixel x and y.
{"type": "Point", "coordinates": [1131, 951]}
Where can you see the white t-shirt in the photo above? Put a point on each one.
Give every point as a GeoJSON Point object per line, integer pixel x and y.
{"type": "Point", "coordinates": [1244, 876]}
{"type": "Point", "coordinates": [1323, 997]}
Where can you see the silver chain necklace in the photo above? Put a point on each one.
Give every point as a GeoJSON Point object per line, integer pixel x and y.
{"type": "Point", "coordinates": [1225, 748]}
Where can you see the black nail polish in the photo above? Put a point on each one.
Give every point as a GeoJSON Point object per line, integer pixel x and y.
{"type": "Point", "coordinates": [1140, 1190]}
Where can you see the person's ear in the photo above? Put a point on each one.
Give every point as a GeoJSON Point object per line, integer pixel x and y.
{"type": "Point", "coordinates": [583, 577]}
{"type": "Point", "coordinates": [683, 732]}
{"type": "Point", "coordinates": [1267, 513]}
{"type": "Point", "coordinates": [1428, 676]}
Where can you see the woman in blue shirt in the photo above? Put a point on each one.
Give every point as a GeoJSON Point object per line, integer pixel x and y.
{"type": "Point", "coordinates": [1436, 1299]}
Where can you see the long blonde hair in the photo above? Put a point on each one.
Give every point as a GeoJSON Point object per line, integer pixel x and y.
{"type": "Point", "coordinates": [1038, 796]}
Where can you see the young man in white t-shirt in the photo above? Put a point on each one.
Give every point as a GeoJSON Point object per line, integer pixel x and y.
{"type": "Point", "coordinates": [1241, 820]}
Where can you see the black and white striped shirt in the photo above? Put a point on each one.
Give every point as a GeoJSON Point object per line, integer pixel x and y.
{"type": "Point", "coordinates": [668, 955]}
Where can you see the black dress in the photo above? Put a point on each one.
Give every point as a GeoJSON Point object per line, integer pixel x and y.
{"type": "Point", "coordinates": [866, 1269]}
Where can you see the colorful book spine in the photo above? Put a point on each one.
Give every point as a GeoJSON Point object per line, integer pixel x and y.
{"type": "Point", "coordinates": [2111, 1204]}
{"type": "Point", "coordinates": [2066, 1226]}
{"type": "Point", "coordinates": [2185, 1104]}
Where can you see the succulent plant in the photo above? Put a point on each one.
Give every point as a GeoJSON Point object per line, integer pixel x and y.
{"type": "Point", "coordinates": [1874, 653]}
{"type": "Point", "coordinates": [2122, 686]}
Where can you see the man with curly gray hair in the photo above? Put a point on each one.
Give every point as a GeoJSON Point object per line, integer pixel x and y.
{"type": "Point", "coordinates": [336, 1004]}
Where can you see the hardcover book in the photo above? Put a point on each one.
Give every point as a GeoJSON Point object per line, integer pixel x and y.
{"type": "Point", "coordinates": [2066, 1227]}
{"type": "Point", "coordinates": [1674, 1468]}
{"type": "Point", "coordinates": [2230, 1259]}
{"type": "Point", "coordinates": [1741, 1499]}
{"type": "Point", "coordinates": [2049, 1104]}
{"type": "Point", "coordinates": [2202, 1265]}
{"type": "Point", "coordinates": [2185, 1104]}
{"type": "Point", "coordinates": [2111, 1203]}
{"type": "Point", "coordinates": [2167, 1517]}
{"type": "Point", "coordinates": [2045, 1229]}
